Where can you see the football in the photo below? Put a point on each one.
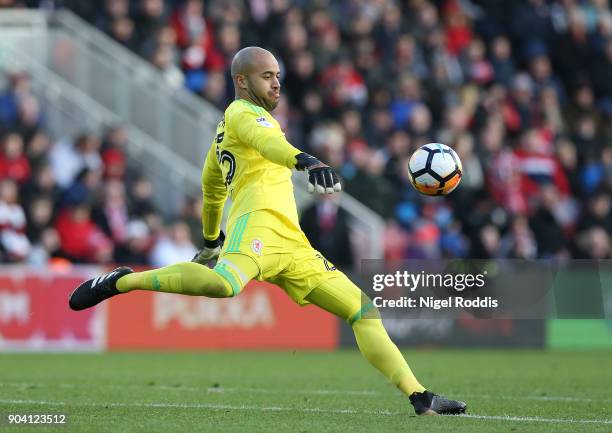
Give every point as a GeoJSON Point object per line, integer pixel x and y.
{"type": "Point", "coordinates": [435, 169]}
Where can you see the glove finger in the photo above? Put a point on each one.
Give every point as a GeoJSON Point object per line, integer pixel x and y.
{"type": "Point", "coordinates": [205, 255]}
{"type": "Point", "coordinates": [200, 259]}
{"type": "Point", "coordinates": [320, 183]}
{"type": "Point", "coordinates": [327, 178]}
{"type": "Point", "coordinates": [329, 182]}
{"type": "Point", "coordinates": [311, 182]}
{"type": "Point", "coordinates": [336, 182]}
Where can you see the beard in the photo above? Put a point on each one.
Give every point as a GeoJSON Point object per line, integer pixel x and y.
{"type": "Point", "coordinates": [261, 99]}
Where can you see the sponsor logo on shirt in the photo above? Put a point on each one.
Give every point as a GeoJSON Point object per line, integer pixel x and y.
{"type": "Point", "coordinates": [264, 122]}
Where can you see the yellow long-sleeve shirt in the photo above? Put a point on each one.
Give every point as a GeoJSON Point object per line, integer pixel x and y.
{"type": "Point", "coordinates": [250, 160]}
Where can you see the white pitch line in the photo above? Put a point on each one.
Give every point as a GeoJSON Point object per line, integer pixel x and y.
{"type": "Point", "coordinates": [208, 406]}
{"type": "Point", "coordinates": [294, 391]}
{"type": "Point", "coordinates": [538, 398]}
{"type": "Point", "coordinates": [537, 419]}
{"type": "Point", "coordinates": [306, 410]}
{"type": "Point", "coordinates": [221, 390]}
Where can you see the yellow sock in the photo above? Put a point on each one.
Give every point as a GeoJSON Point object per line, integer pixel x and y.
{"type": "Point", "coordinates": [186, 278]}
{"type": "Point", "coordinates": [376, 346]}
{"type": "Point", "coordinates": [342, 297]}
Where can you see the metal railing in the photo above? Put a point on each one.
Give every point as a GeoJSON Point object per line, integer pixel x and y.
{"type": "Point", "coordinates": [70, 111]}
{"type": "Point", "coordinates": [130, 86]}
{"type": "Point", "coordinates": [90, 81]}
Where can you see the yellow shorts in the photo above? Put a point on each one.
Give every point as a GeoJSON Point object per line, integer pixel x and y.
{"type": "Point", "coordinates": [280, 250]}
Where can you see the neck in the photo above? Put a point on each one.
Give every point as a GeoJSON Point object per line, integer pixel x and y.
{"type": "Point", "coordinates": [244, 94]}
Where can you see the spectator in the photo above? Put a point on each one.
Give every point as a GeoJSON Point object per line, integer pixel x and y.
{"type": "Point", "coordinates": [46, 250]}
{"type": "Point", "coordinates": [135, 251]}
{"type": "Point", "coordinates": [598, 213]}
{"type": "Point", "coordinates": [86, 186]}
{"type": "Point", "coordinates": [14, 245]}
{"type": "Point", "coordinates": [458, 31]}
{"type": "Point", "coordinates": [113, 151]}
{"type": "Point", "coordinates": [502, 61]}
{"type": "Point", "coordinates": [122, 30]}
{"type": "Point", "coordinates": [343, 85]}
{"type": "Point", "coordinates": [594, 244]}
{"type": "Point", "coordinates": [195, 37]}
{"type": "Point", "coordinates": [112, 10]}
{"type": "Point", "coordinates": [141, 198]}
{"type": "Point", "coordinates": [326, 226]}
{"type": "Point", "coordinates": [69, 158]}
{"type": "Point", "coordinates": [477, 68]}
{"type": "Point", "coordinates": [546, 226]}
{"type": "Point", "coordinates": [520, 241]}
{"type": "Point", "coordinates": [192, 216]}
{"type": "Point", "coordinates": [214, 90]}
{"type": "Point", "coordinates": [13, 162]}
{"type": "Point", "coordinates": [20, 85]}
{"type": "Point", "coordinates": [174, 246]}
{"type": "Point", "coordinates": [163, 59]}
{"type": "Point", "coordinates": [151, 16]}
{"type": "Point", "coordinates": [37, 150]}
{"type": "Point", "coordinates": [29, 118]}
{"type": "Point", "coordinates": [365, 182]}
{"type": "Point", "coordinates": [39, 217]}
{"type": "Point", "coordinates": [112, 214]}
{"type": "Point", "coordinates": [531, 22]}
{"type": "Point", "coordinates": [601, 72]}
{"type": "Point", "coordinates": [572, 49]}
{"type": "Point", "coordinates": [409, 96]}
{"type": "Point", "coordinates": [81, 240]}
{"type": "Point", "coordinates": [42, 184]}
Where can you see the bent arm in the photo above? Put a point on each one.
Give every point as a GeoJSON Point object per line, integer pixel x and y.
{"type": "Point", "coordinates": [214, 195]}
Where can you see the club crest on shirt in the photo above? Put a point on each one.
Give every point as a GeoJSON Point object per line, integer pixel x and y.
{"type": "Point", "coordinates": [257, 246]}
{"type": "Point", "coordinates": [264, 122]}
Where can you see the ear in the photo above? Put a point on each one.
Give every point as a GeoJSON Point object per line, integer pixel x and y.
{"type": "Point", "coordinates": [241, 81]}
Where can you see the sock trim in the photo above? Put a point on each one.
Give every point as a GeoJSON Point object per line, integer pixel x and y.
{"type": "Point", "coordinates": [236, 269]}
{"type": "Point", "coordinates": [364, 309]}
{"type": "Point", "coordinates": [224, 273]}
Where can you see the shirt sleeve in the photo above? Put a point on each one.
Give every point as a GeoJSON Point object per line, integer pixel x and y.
{"type": "Point", "coordinates": [266, 137]}
{"type": "Point", "coordinates": [214, 195]}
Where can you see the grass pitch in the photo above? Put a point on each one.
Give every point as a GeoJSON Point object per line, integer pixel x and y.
{"type": "Point", "coordinates": [506, 391]}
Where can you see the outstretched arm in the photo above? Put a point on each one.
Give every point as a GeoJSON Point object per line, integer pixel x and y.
{"type": "Point", "coordinates": [270, 142]}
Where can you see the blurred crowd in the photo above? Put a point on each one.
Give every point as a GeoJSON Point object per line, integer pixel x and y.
{"type": "Point", "coordinates": [521, 89]}
{"type": "Point", "coordinates": [78, 200]}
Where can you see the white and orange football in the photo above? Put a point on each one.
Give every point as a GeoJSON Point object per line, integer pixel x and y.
{"type": "Point", "coordinates": [435, 169]}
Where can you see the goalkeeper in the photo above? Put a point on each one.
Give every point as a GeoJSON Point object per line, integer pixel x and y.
{"type": "Point", "coordinates": [250, 161]}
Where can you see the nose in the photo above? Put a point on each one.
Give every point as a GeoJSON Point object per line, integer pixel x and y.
{"type": "Point", "coordinates": [275, 83]}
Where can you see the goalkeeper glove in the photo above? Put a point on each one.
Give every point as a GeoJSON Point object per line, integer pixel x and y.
{"type": "Point", "coordinates": [210, 251]}
{"type": "Point", "coordinates": [321, 177]}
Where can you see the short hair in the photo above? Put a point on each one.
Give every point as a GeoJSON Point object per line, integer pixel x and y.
{"type": "Point", "coordinates": [245, 58]}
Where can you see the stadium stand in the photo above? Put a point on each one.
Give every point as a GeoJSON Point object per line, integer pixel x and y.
{"type": "Point", "coordinates": [366, 82]}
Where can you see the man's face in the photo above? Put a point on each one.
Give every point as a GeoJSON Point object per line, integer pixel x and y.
{"type": "Point", "coordinates": [262, 81]}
